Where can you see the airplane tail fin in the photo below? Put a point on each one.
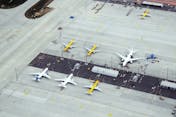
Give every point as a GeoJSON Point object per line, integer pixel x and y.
{"type": "Point", "coordinates": [36, 79]}
{"type": "Point", "coordinates": [62, 85]}
{"type": "Point", "coordinates": [72, 82]}
{"type": "Point", "coordinates": [89, 93]}
{"type": "Point", "coordinates": [35, 74]}
{"type": "Point", "coordinates": [88, 49]}
{"type": "Point", "coordinates": [64, 44]}
{"type": "Point", "coordinates": [132, 50]}
{"type": "Point", "coordinates": [98, 89]}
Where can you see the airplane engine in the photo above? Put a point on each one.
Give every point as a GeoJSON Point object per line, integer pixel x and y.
{"type": "Point", "coordinates": [122, 60]}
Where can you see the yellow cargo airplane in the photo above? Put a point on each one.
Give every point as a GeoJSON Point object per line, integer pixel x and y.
{"type": "Point", "coordinates": [68, 46]}
{"type": "Point", "coordinates": [145, 14]}
{"type": "Point", "coordinates": [93, 87]}
{"type": "Point", "coordinates": [92, 50]}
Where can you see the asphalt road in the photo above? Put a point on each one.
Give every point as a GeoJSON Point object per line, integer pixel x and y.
{"type": "Point", "coordinates": [143, 83]}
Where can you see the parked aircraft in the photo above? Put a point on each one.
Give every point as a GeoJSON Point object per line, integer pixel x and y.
{"type": "Point", "coordinates": [66, 80]}
{"type": "Point", "coordinates": [93, 87]}
{"type": "Point", "coordinates": [146, 13]}
{"type": "Point", "coordinates": [92, 50]}
{"type": "Point", "coordinates": [129, 58]}
{"type": "Point", "coordinates": [38, 76]}
{"type": "Point", "coordinates": [68, 46]}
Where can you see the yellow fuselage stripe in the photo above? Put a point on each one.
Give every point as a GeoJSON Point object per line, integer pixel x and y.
{"type": "Point", "coordinates": [146, 12]}
{"type": "Point", "coordinates": [93, 87]}
{"type": "Point", "coordinates": [92, 50]}
{"type": "Point", "coordinates": [69, 45]}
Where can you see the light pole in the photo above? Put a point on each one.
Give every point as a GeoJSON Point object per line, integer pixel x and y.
{"type": "Point", "coordinates": [60, 36]}
{"type": "Point", "coordinates": [60, 33]}
{"type": "Point", "coordinates": [16, 74]}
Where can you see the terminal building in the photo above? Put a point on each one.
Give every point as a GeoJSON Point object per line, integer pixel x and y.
{"type": "Point", "coordinates": [105, 71]}
{"type": "Point", "coordinates": [168, 84]}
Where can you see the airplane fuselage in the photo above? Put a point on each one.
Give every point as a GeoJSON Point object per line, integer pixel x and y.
{"type": "Point", "coordinates": [146, 12]}
{"type": "Point", "coordinates": [92, 50]}
{"type": "Point", "coordinates": [127, 60]}
{"type": "Point", "coordinates": [93, 87]}
{"type": "Point", "coordinates": [38, 77]}
{"type": "Point", "coordinates": [42, 73]}
{"type": "Point", "coordinates": [68, 79]}
{"type": "Point", "coordinates": [68, 46]}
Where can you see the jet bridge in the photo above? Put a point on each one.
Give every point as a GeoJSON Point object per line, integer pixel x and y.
{"type": "Point", "coordinates": [105, 71]}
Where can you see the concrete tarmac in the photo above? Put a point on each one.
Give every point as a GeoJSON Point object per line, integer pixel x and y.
{"type": "Point", "coordinates": [23, 39]}
{"type": "Point", "coordinates": [25, 97]}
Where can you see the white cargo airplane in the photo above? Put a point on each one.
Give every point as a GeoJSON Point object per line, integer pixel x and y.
{"type": "Point", "coordinates": [129, 58]}
{"type": "Point", "coordinates": [39, 76]}
{"type": "Point", "coordinates": [66, 80]}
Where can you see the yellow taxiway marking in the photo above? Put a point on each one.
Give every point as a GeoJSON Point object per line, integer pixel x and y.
{"type": "Point", "coordinates": [109, 114]}
{"type": "Point", "coordinates": [81, 106]}
{"type": "Point", "coordinates": [26, 92]}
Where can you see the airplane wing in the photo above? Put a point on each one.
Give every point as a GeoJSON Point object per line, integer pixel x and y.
{"type": "Point", "coordinates": [64, 44]}
{"type": "Point", "coordinates": [47, 76]}
{"type": "Point", "coordinates": [60, 80]}
{"type": "Point", "coordinates": [98, 89]}
{"type": "Point", "coordinates": [35, 74]}
{"type": "Point", "coordinates": [121, 56]}
{"type": "Point", "coordinates": [88, 86]}
{"type": "Point", "coordinates": [135, 59]}
{"type": "Point", "coordinates": [143, 16]}
{"type": "Point", "coordinates": [72, 46]}
{"type": "Point", "coordinates": [88, 49]}
{"type": "Point", "coordinates": [72, 82]}
{"type": "Point", "coordinates": [148, 15]}
{"type": "Point", "coordinates": [95, 51]}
